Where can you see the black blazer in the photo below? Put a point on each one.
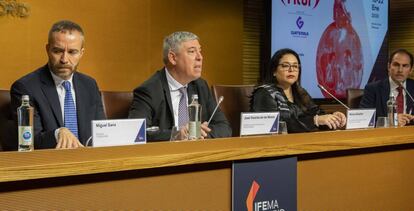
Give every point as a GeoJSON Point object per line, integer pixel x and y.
{"type": "Point", "coordinates": [40, 87]}
{"type": "Point", "coordinates": [152, 100]}
{"type": "Point", "coordinates": [376, 95]}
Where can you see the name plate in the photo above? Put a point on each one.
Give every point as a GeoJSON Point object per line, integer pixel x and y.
{"type": "Point", "coordinates": [258, 123]}
{"type": "Point", "coordinates": [118, 132]}
{"type": "Point", "coordinates": [360, 118]}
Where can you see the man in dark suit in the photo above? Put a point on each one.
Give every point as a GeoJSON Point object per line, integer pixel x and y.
{"type": "Point", "coordinates": [376, 94]}
{"type": "Point", "coordinates": [160, 98]}
{"type": "Point", "coordinates": [65, 101]}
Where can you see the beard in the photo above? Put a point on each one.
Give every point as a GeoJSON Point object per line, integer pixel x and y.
{"type": "Point", "coordinates": [63, 71]}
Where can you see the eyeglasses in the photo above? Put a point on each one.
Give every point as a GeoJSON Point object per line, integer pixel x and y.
{"type": "Point", "coordinates": [292, 67]}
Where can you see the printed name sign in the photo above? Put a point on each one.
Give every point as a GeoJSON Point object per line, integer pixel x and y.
{"type": "Point", "coordinates": [256, 123]}
{"type": "Point", "coordinates": [118, 132]}
{"type": "Point", "coordinates": [360, 118]}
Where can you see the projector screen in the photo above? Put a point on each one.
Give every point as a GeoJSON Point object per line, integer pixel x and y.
{"type": "Point", "coordinates": [341, 43]}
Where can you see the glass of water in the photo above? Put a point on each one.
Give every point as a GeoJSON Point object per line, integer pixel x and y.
{"type": "Point", "coordinates": [179, 133]}
{"type": "Point", "coordinates": [283, 127]}
{"type": "Point", "coordinates": [382, 122]}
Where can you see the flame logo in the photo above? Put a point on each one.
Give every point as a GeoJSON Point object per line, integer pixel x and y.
{"type": "Point", "coordinates": [252, 195]}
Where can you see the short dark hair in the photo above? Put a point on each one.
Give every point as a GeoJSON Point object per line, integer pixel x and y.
{"type": "Point", "coordinates": [404, 51]}
{"type": "Point", "coordinates": [65, 25]}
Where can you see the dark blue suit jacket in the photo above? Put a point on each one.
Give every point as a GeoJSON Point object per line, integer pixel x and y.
{"type": "Point", "coordinates": [152, 100]}
{"type": "Point", "coordinates": [40, 87]}
{"type": "Point", "coordinates": [376, 95]}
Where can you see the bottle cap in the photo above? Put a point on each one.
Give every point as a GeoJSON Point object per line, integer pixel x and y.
{"type": "Point", "coordinates": [194, 96]}
{"type": "Point", "coordinates": [25, 97]}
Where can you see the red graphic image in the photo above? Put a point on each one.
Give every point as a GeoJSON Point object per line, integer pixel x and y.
{"type": "Point", "coordinates": [339, 59]}
{"type": "Point", "coordinates": [252, 194]}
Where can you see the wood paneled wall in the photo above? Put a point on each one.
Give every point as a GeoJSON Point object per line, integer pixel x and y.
{"type": "Point", "coordinates": [401, 25]}
{"type": "Point", "coordinates": [124, 38]}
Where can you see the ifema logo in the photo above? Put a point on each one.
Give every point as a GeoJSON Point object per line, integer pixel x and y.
{"type": "Point", "coordinates": [266, 205]}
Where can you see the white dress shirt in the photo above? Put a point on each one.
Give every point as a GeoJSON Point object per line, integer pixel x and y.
{"type": "Point", "coordinates": [175, 94]}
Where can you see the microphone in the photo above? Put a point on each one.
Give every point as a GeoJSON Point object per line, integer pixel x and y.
{"type": "Point", "coordinates": [87, 141]}
{"type": "Point", "coordinates": [323, 88]}
{"type": "Point", "coordinates": [215, 109]}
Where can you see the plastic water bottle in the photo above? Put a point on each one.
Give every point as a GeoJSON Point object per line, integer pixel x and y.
{"type": "Point", "coordinates": [25, 123]}
{"type": "Point", "coordinates": [194, 124]}
{"type": "Point", "coordinates": [392, 111]}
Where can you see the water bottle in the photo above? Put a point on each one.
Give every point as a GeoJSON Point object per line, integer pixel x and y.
{"type": "Point", "coordinates": [392, 111]}
{"type": "Point", "coordinates": [194, 124]}
{"type": "Point", "coordinates": [25, 123]}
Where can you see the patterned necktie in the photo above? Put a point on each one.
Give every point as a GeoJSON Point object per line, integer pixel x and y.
{"type": "Point", "coordinates": [400, 100]}
{"type": "Point", "coordinates": [182, 108]}
{"type": "Point", "coordinates": [71, 119]}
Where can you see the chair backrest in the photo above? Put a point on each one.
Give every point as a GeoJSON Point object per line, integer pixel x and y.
{"type": "Point", "coordinates": [116, 104]}
{"type": "Point", "coordinates": [236, 100]}
{"type": "Point", "coordinates": [6, 118]}
{"type": "Point", "coordinates": [353, 97]}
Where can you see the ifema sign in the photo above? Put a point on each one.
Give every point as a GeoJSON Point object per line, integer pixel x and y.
{"type": "Point", "coordinates": [265, 185]}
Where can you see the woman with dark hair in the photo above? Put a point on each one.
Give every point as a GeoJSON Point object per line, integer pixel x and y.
{"type": "Point", "coordinates": [279, 90]}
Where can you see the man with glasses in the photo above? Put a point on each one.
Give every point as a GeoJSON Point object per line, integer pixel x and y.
{"type": "Point", "coordinates": [376, 94]}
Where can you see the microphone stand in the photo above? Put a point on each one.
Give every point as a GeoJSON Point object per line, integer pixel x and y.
{"type": "Point", "coordinates": [323, 88]}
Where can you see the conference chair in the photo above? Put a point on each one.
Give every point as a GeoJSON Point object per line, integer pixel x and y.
{"type": "Point", "coordinates": [6, 118]}
{"type": "Point", "coordinates": [353, 97]}
{"type": "Point", "coordinates": [116, 104]}
{"type": "Point", "coordinates": [236, 100]}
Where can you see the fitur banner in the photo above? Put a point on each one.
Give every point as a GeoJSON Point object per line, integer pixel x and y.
{"type": "Point", "coordinates": [341, 43]}
{"type": "Point", "coordinates": [265, 185]}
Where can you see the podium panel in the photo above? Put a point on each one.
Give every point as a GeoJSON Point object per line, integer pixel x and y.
{"type": "Point", "coordinates": [338, 170]}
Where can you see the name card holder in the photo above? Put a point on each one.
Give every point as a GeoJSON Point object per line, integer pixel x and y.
{"type": "Point", "coordinates": [259, 123]}
{"type": "Point", "coordinates": [118, 132]}
{"type": "Point", "coordinates": [360, 118]}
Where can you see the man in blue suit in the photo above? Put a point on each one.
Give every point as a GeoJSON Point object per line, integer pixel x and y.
{"type": "Point", "coordinates": [65, 101]}
{"type": "Point", "coordinates": [376, 94]}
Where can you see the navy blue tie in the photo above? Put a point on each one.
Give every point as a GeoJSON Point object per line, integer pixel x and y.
{"type": "Point", "coordinates": [71, 119]}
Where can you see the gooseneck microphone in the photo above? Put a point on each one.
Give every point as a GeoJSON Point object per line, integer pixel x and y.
{"type": "Point", "coordinates": [323, 88]}
{"type": "Point", "coordinates": [215, 109]}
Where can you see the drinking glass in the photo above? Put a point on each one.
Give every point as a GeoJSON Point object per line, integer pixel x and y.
{"type": "Point", "coordinates": [282, 127]}
{"type": "Point", "coordinates": [177, 134]}
{"type": "Point", "coordinates": [382, 122]}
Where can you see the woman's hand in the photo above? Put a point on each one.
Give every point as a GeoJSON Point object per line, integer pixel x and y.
{"type": "Point", "coordinates": [333, 121]}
